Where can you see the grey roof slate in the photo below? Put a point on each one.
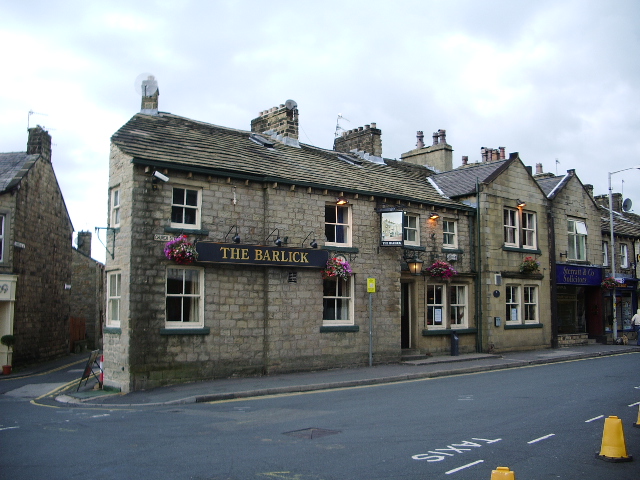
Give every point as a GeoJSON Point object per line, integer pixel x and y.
{"type": "Point", "coordinates": [462, 181]}
{"type": "Point", "coordinates": [548, 184]}
{"type": "Point", "coordinates": [171, 141]}
{"type": "Point", "coordinates": [13, 167]}
{"type": "Point", "coordinates": [625, 224]}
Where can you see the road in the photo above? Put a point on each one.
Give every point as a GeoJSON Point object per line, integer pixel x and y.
{"type": "Point", "coordinates": [542, 422]}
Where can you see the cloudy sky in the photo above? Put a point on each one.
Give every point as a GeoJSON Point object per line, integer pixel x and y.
{"type": "Point", "coordinates": [553, 80]}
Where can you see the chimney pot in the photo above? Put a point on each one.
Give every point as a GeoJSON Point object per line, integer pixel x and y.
{"type": "Point", "coordinates": [373, 125]}
{"type": "Point", "coordinates": [420, 136]}
{"type": "Point", "coordinates": [502, 154]}
{"type": "Point", "coordinates": [442, 136]}
{"type": "Point", "coordinates": [465, 159]}
{"type": "Point", "coordinates": [539, 169]}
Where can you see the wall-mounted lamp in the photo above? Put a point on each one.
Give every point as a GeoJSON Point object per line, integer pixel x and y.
{"type": "Point", "coordinates": [413, 262]}
{"type": "Point", "coordinates": [278, 241]}
{"type": "Point", "coordinates": [521, 203]}
{"type": "Point", "coordinates": [313, 243]}
{"type": "Point", "coordinates": [155, 176]}
{"type": "Point", "coordinates": [341, 201]}
{"type": "Point", "coordinates": [236, 237]}
{"type": "Point", "coordinates": [434, 216]}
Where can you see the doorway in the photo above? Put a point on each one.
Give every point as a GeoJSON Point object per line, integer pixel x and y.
{"type": "Point", "coordinates": [405, 315]}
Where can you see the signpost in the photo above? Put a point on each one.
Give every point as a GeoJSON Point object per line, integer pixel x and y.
{"type": "Point", "coordinates": [371, 288]}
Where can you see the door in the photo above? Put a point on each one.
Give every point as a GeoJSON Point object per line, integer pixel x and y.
{"type": "Point", "coordinates": [405, 315]}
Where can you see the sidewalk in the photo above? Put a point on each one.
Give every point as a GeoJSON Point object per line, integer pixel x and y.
{"type": "Point", "coordinates": [233, 388]}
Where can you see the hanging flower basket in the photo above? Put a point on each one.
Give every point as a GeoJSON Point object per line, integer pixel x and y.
{"type": "Point", "coordinates": [181, 250]}
{"type": "Point", "coordinates": [529, 265]}
{"type": "Point", "coordinates": [442, 270]}
{"type": "Point", "coordinates": [337, 267]}
{"type": "Point", "coordinates": [609, 283]}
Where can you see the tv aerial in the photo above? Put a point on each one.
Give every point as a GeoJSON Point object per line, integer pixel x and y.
{"type": "Point", "coordinates": [338, 127]}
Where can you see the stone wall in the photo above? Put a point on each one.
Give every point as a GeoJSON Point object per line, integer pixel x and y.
{"type": "Point", "coordinates": [88, 294]}
{"type": "Point", "coordinates": [42, 304]}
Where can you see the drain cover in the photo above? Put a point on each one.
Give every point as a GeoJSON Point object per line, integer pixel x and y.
{"type": "Point", "coordinates": [310, 433]}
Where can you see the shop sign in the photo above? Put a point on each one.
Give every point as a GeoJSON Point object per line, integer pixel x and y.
{"type": "Point", "coordinates": [578, 275]}
{"type": "Point", "coordinates": [261, 255]}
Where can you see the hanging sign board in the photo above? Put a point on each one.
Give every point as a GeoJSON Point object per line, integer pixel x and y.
{"type": "Point", "coordinates": [261, 255]}
{"type": "Point", "coordinates": [391, 224]}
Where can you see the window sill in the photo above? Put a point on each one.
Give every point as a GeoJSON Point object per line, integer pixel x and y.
{"type": "Point", "coordinates": [448, 331]}
{"type": "Point", "coordinates": [185, 331]}
{"type": "Point", "coordinates": [339, 328]}
{"type": "Point", "coordinates": [529, 276]}
{"type": "Point", "coordinates": [536, 251]}
{"type": "Point", "coordinates": [192, 231]}
{"type": "Point", "coordinates": [520, 327]}
{"type": "Point", "coordinates": [112, 330]}
{"type": "Point", "coordinates": [336, 248]}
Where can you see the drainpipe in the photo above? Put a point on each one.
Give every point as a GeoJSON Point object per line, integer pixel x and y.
{"type": "Point", "coordinates": [478, 281]}
{"type": "Point", "coordinates": [265, 291]}
{"type": "Point", "coordinates": [554, 289]}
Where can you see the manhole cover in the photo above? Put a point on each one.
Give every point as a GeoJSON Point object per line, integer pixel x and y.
{"type": "Point", "coordinates": [311, 433]}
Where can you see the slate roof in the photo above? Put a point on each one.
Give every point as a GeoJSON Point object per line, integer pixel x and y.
{"type": "Point", "coordinates": [13, 167]}
{"type": "Point", "coordinates": [549, 184]}
{"type": "Point", "coordinates": [171, 141]}
{"type": "Point", "coordinates": [462, 181]}
{"type": "Point", "coordinates": [625, 224]}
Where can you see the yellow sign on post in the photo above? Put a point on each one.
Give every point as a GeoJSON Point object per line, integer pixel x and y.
{"type": "Point", "coordinates": [371, 285]}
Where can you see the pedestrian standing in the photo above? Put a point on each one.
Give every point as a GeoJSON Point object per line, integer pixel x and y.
{"type": "Point", "coordinates": [635, 323]}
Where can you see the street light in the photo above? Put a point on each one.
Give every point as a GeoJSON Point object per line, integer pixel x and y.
{"type": "Point", "coordinates": [613, 258]}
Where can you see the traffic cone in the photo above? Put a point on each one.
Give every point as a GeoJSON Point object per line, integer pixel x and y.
{"type": "Point", "coordinates": [638, 424]}
{"type": "Point", "coordinates": [614, 447]}
{"type": "Point", "coordinates": [503, 473]}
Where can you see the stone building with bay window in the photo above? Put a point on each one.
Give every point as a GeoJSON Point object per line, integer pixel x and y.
{"type": "Point", "coordinates": [265, 213]}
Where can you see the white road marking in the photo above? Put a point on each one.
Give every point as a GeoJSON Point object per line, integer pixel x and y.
{"type": "Point", "coordinates": [8, 428]}
{"type": "Point", "coordinates": [463, 467]}
{"type": "Point", "coordinates": [98, 416]}
{"type": "Point", "coordinates": [541, 438]}
{"type": "Point", "coordinates": [594, 418]}
{"type": "Point", "coordinates": [634, 404]}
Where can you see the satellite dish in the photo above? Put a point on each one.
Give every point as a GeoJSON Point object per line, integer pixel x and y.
{"type": "Point", "coordinates": [627, 204]}
{"type": "Point", "coordinates": [290, 104]}
{"type": "Point", "coordinates": [145, 84]}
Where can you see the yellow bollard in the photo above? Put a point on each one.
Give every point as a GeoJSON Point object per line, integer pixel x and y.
{"type": "Point", "coordinates": [502, 473]}
{"type": "Point", "coordinates": [638, 424]}
{"type": "Point", "coordinates": [614, 447]}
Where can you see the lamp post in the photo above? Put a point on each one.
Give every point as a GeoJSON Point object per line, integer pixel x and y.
{"type": "Point", "coordinates": [613, 258]}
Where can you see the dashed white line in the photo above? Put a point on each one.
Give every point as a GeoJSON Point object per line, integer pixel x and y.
{"type": "Point", "coordinates": [8, 428]}
{"type": "Point", "coordinates": [541, 438]}
{"type": "Point", "coordinates": [463, 467]}
{"type": "Point", "coordinates": [594, 419]}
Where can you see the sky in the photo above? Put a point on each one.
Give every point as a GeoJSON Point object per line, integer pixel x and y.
{"type": "Point", "coordinates": [556, 80]}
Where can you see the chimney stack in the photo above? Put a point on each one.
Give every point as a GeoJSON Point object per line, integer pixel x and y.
{"type": "Point", "coordinates": [367, 139]}
{"type": "Point", "coordinates": [84, 243]}
{"type": "Point", "coordinates": [39, 143]}
{"type": "Point", "coordinates": [279, 122]}
{"type": "Point", "coordinates": [150, 93]}
{"type": "Point", "coordinates": [437, 157]}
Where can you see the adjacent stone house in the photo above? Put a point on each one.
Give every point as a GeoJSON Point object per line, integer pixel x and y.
{"type": "Point", "coordinates": [87, 296]}
{"type": "Point", "coordinates": [265, 213]}
{"type": "Point", "coordinates": [626, 255]}
{"type": "Point", "coordinates": [576, 258]}
{"type": "Point", "coordinates": [513, 295]}
{"type": "Point", "coordinates": [35, 254]}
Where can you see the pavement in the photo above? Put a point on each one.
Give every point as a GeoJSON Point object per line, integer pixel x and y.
{"type": "Point", "coordinates": [246, 387]}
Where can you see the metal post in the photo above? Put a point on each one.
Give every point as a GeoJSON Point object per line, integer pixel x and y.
{"type": "Point", "coordinates": [613, 264]}
{"type": "Point", "coordinates": [370, 329]}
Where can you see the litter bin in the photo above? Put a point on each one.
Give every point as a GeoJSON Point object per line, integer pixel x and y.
{"type": "Point", "coordinates": [455, 345]}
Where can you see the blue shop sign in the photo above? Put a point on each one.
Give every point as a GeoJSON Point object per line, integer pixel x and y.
{"type": "Point", "coordinates": [578, 275]}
